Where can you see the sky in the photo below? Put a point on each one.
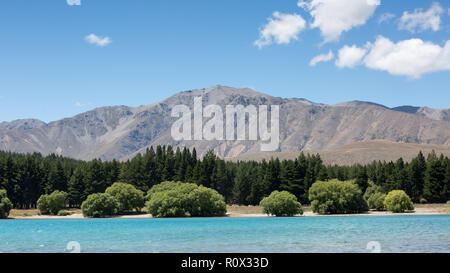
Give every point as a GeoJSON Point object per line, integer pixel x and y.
{"type": "Point", "coordinates": [59, 58]}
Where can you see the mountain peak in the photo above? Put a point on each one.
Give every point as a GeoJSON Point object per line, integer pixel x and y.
{"type": "Point", "coordinates": [359, 103]}
{"type": "Point", "coordinates": [22, 124]}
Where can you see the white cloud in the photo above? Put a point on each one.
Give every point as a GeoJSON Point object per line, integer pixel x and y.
{"type": "Point", "coordinates": [97, 40]}
{"type": "Point", "coordinates": [385, 17]}
{"type": "Point", "coordinates": [350, 56]}
{"type": "Point", "coordinates": [333, 17]}
{"type": "Point", "coordinates": [422, 20]}
{"type": "Point", "coordinates": [281, 29]}
{"type": "Point", "coordinates": [321, 58]}
{"type": "Point", "coordinates": [411, 58]}
{"type": "Point", "coordinates": [74, 2]}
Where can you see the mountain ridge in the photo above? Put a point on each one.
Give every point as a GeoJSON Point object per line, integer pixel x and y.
{"type": "Point", "coordinates": [120, 132]}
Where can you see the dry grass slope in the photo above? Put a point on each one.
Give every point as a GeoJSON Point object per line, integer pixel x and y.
{"type": "Point", "coordinates": [359, 152]}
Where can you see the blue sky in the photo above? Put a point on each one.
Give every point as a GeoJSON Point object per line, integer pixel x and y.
{"type": "Point", "coordinates": [141, 52]}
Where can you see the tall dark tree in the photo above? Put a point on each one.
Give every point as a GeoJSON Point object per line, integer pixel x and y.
{"type": "Point", "coordinates": [76, 188]}
{"type": "Point", "coordinates": [362, 180]}
{"type": "Point", "coordinates": [434, 185]}
{"type": "Point", "coordinates": [56, 179]}
{"type": "Point", "coordinates": [416, 177]}
{"type": "Point", "coordinates": [94, 178]}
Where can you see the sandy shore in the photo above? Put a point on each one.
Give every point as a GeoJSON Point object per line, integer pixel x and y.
{"type": "Point", "coordinates": [417, 211]}
{"type": "Point", "coordinates": [78, 216]}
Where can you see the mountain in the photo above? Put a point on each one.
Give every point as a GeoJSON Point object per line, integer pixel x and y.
{"type": "Point", "coordinates": [120, 132]}
{"type": "Point", "coordinates": [435, 114]}
{"type": "Point", "coordinates": [362, 152]}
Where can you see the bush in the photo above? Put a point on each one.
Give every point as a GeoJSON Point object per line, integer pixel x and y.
{"type": "Point", "coordinates": [281, 204]}
{"type": "Point", "coordinates": [176, 199]}
{"type": "Point", "coordinates": [423, 201]}
{"type": "Point", "coordinates": [99, 205]}
{"type": "Point", "coordinates": [371, 190]}
{"type": "Point", "coordinates": [376, 201]}
{"type": "Point", "coordinates": [127, 197]}
{"type": "Point", "coordinates": [52, 203]}
{"type": "Point", "coordinates": [63, 213]}
{"type": "Point", "coordinates": [43, 204]}
{"type": "Point", "coordinates": [5, 205]}
{"type": "Point", "coordinates": [336, 197]}
{"type": "Point", "coordinates": [170, 185]}
{"type": "Point", "coordinates": [398, 201]}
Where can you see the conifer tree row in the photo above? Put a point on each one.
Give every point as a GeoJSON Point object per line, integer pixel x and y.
{"type": "Point", "coordinates": [26, 177]}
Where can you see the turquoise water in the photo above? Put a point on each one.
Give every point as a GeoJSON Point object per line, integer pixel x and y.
{"type": "Point", "coordinates": [299, 234]}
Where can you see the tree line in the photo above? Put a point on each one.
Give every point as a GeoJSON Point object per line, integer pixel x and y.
{"type": "Point", "coordinates": [26, 177]}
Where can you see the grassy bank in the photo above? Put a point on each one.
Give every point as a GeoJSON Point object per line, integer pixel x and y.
{"type": "Point", "coordinates": [33, 212]}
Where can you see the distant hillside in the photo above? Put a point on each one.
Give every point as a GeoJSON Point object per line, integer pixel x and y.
{"type": "Point", "coordinates": [119, 132]}
{"type": "Point", "coordinates": [435, 114]}
{"type": "Point", "coordinates": [359, 152]}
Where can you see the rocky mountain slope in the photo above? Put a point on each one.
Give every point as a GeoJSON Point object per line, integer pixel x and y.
{"type": "Point", "coordinates": [120, 132]}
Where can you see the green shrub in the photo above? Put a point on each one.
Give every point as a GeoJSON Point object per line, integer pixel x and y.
{"type": "Point", "coordinates": [99, 205]}
{"type": "Point", "coordinates": [170, 185]}
{"type": "Point", "coordinates": [127, 197]}
{"type": "Point", "coordinates": [423, 201]}
{"type": "Point", "coordinates": [176, 199]}
{"type": "Point", "coordinates": [336, 197]}
{"type": "Point", "coordinates": [43, 204]}
{"type": "Point", "coordinates": [281, 204]}
{"type": "Point", "coordinates": [63, 213]}
{"type": "Point", "coordinates": [371, 190]}
{"type": "Point", "coordinates": [52, 203]}
{"type": "Point", "coordinates": [376, 201]}
{"type": "Point", "coordinates": [398, 201]}
{"type": "Point", "coordinates": [5, 205]}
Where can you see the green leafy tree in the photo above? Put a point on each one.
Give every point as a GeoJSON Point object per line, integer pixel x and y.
{"type": "Point", "coordinates": [5, 205]}
{"type": "Point", "coordinates": [376, 201]}
{"type": "Point", "coordinates": [371, 190]}
{"type": "Point", "coordinates": [127, 197]}
{"type": "Point", "coordinates": [398, 201]}
{"type": "Point", "coordinates": [176, 199]}
{"type": "Point", "coordinates": [281, 204]}
{"type": "Point", "coordinates": [43, 204]}
{"type": "Point", "coordinates": [99, 205]}
{"type": "Point", "coordinates": [52, 203]}
{"type": "Point", "coordinates": [333, 197]}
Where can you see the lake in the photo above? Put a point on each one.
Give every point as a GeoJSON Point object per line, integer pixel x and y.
{"type": "Point", "coordinates": [266, 234]}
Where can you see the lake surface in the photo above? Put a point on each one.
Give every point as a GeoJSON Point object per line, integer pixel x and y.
{"type": "Point", "coordinates": [298, 234]}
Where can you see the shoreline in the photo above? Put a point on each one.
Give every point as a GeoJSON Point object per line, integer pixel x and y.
{"type": "Point", "coordinates": [418, 211]}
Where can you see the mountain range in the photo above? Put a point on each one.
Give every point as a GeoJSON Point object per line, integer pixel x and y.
{"type": "Point", "coordinates": [120, 132]}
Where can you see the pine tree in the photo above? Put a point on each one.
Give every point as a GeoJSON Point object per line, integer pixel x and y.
{"type": "Point", "coordinates": [242, 184]}
{"type": "Point", "coordinates": [433, 190]}
{"type": "Point", "coordinates": [446, 189]}
{"type": "Point", "coordinates": [56, 179]}
{"type": "Point", "coordinates": [76, 188]}
{"type": "Point", "coordinates": [292, 176]}
{"type": "Point", "coordinates": [362, 180]}
{"type": "Point", "coordinates": [94, 178]}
